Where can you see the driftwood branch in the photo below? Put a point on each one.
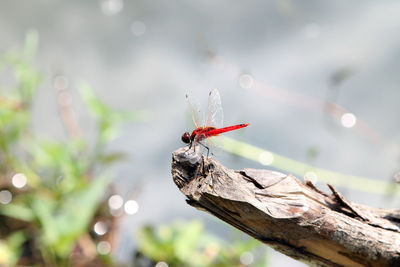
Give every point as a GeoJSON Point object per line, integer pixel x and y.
{"type": "Point", "coordinates": [289, 215]}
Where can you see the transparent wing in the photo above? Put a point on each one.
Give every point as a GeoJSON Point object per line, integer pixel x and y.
{"type": "Point", "coordinates": [215, 115]}
{"type": "Point", "coordinates": [194, 107]}
{"type": "Point", "coordinates": [215, 145]}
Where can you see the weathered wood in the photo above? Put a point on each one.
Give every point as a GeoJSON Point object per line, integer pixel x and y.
{"type": "Point", "coordinates": [292, 217]}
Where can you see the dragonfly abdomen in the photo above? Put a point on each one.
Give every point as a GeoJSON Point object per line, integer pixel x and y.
{"type": "Point", "coordinates": [214, 131]}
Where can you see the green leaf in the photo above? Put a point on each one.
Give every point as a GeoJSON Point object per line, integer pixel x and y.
{"type": "Point", "coordinates": [62, 225]}
{"type": "Point", "coordinates": [186, 239]}
{"type": "Point", "coordinates": [186, 244]}
{"type": "Point", "coordinates": [10, 248]}
{"type": "Point", "coordinates": [17, 211]}
{"type": "Point", "coordinates": [112, 157]}
{"type": "Point", "coordinates": [44, 209]}
{"type": "Point", "coordinates": [95, 106]}
{"type": "Point", "coordinates": [108, 119]}
{"type": "Point", "coordinates": [76, 213]}
{"type": "Point", "coordinates": [63, 163]}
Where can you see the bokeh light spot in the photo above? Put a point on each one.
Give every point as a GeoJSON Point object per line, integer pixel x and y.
{"type": "Point", "coordinates": [348, 120]}
{"type": "Point", "coordinates": [103, 247]}
{"type": "Point", "coordinates": [100, 228]}
{"type": "Point", "coordinates": [246, 81]}
{"type": "Point", "coordinates": [112, 7]}
{"type": "Point", "coordinates": [19, 180]}
{"type": "Point", "coordinates": [138, 28]}
{"type": "Point", "coordinates": [246, 258]}
{"type": "Point", "coordinates": [266, 158]}
{"type": "Point", "coordinates": [61, 82]}
{"type": "Point", "coordinates": [131, 207]}
{"type": "Point", "coordinates": [115, 202]}
{"type": "Point", "coordinates": [161, 264]}
{"type": "Point", "coordinates": [5, 197]}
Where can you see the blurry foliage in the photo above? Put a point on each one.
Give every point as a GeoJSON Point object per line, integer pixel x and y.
{"type": "Point", "coordinates": [107, 118]}
{"type": "Point", "coordinates": [66, 182]}
{"type": "Point", "coordinates": [10, 248]}
{"type": "Point", "coordinates": [187, 244]}
{"type": "Point", "coordinates": [48, 222]}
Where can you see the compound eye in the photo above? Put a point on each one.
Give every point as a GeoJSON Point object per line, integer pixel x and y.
{"type": "Point", "coordinates": [185, 138]}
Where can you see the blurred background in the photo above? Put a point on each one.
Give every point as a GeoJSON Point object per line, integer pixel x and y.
{"type": "Point", "coordinates": [92, 103]}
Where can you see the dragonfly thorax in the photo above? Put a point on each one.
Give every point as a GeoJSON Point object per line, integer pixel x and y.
{"type": "Point", "coordinates": [201, 133]}
{"type": "Point", "coordinates": [197, 135]}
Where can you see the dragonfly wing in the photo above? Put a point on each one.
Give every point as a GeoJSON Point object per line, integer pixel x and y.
{"type": "Point", "coordinates": [215, 115]}
{"type": "Point", "coordinates": [215, 145]}
{"type": "Point", "coordinates": [194, 107]}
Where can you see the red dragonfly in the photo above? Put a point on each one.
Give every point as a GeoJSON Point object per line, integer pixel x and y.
{"type": "Point", "coordinates": [213, 123]}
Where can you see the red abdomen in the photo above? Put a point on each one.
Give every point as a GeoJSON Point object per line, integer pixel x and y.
{"type": "Point", "coordinates": [211, 131]}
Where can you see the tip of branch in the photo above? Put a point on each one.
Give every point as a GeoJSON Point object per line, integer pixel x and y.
{"type": "Point", "coordinates": [187, 164]}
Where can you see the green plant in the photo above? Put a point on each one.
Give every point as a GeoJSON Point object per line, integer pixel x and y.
{"type": "Point", "coordinates": [66, 181]}
{"type": "Point", "coordinates": [187, 244]}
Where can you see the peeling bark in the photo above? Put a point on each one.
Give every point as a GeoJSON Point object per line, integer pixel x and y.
{"type": "Point", "coordinates": [292, 217]}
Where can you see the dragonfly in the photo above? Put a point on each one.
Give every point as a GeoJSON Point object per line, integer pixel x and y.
{"type": "Point", "coordinates": [213, 124]}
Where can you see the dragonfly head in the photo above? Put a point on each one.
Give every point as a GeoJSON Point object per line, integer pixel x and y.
{"type": "Point", "coordinates": [186, 138]}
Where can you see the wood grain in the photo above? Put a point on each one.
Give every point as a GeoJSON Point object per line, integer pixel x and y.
{"type": "Point", "coordinates": [291, 216]}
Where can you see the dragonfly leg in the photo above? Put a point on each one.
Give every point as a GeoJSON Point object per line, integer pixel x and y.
{"type": "Point", "coordinates": [190, 146]}
{"type": "Point", "coordinates": [208, 152]}
{"type": "Point", "coordinates": [206, 147]}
